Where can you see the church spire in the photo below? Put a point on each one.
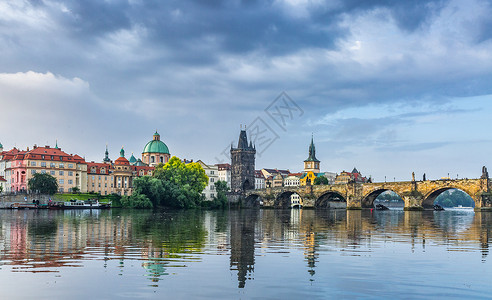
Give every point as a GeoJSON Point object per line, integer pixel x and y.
{"type": "Point", "coordinates": [106, 155]}
{"type": "Point", "coordinates": [312, 151]}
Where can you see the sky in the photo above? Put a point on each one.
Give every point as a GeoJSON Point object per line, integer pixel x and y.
{"type": "Point", "coordinates": [389, 87]}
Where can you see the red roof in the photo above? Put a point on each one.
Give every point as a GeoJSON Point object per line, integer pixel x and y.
{"type": "Point", "coordinates": [98, 166]}
{"type": "Point", "coordinates": [223, 166]}
{"type": "Point", "coordinates": [121, 161]}
{"type": "Point", "coordinates": [2, 179]}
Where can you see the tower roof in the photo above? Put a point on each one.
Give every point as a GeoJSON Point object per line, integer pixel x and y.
{"type": "Point", "coordinates": [132, 159]}
{"type": "Point", "coordinates": [156, 145]}
{"type": "Point", "coordinates": [312, 152]}
{"type": "Point", "coordinates": [243, 142]}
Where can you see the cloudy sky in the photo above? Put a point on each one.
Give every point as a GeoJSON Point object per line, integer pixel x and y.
{"type": "Point", "coordinates": [390, 87]}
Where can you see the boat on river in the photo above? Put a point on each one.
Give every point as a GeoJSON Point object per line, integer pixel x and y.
{"type": "Point", "coordinates": [438, 207]}
{"type": "Point", "coordinates": [381, 207]}
{"type": "Point", "coordinates": [80, 204]}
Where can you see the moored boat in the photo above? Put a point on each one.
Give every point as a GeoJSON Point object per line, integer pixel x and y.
{"type": "Point", "coordinates": [438, 207]}
{"type": "Point", "coordinates": [381, 207]}
{"type": "Point", "coordinates": [80, 204]}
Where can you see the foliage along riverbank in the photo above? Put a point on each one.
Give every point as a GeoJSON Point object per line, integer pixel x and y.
{"type": "Point", "coordinates": [174, 185]}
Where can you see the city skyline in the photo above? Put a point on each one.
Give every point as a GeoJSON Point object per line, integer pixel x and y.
{"type": "Point", "coordinates": [388, 88]}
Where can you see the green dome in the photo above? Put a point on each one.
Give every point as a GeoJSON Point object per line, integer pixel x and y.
{"type": "Point", "coordinates": [156, 146]}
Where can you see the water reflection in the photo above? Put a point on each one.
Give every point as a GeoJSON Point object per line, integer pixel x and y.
{"type": "Point", "coordinates": [166, 243]}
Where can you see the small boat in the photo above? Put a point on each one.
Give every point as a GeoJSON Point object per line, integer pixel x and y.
{"type": "Point", "coordinates": [438, 207]}
{"type": "Point", "coordinates": [381, 207]}
{"type": "Point", "coordinates": [23, 205]}
{"type": "Point", "coordinates": [80, 204]}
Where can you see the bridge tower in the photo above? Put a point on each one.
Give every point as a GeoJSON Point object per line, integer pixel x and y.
{"type": "Point", "coordinates": [243, 165]}
{"type": "Point", "coordinates": [312, 163]}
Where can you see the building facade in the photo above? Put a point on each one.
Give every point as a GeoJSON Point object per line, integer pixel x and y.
{"type": "Point", "coordinates": [225, 173]}
{"type": "Point", "coordinates": [243, 165]}
{"type": "Point", "coordinates": [259, 180]}
{"type": "Point", "coordinates": [212, 171]}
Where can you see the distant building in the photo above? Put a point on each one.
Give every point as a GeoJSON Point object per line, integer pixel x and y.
{"type": "Point", "coordinates": [277, 180]}
{"type": "Point", "coordinates": [212, 172]}
{"type": "Point", "coordinates": [69, 170]}
{"type": "Point", "coordinates": [225, 173]}
{"type": "Point", "coordinates": [354, 176]}
{"type": "Point", "coordinates": [293, 179]}
{"type": "Point", "coordinates": [259, 180]}
{"type": "Point", "coordinates": [99, 178]}
{"type": "Point", "coordinates": [243, 165]}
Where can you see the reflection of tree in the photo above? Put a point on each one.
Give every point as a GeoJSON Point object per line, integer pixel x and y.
{"type": "Point", "coordinates": [43, 227]}
{"type": "Point", "coordinates": [243, 244]}
{"type": "Point", "coordinates": [175, 232]}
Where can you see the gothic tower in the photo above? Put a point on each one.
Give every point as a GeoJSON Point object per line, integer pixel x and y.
{"type": "Point", "coordinates": [312, 163]}
{"type": "Point", "coordinates": [243, 165]}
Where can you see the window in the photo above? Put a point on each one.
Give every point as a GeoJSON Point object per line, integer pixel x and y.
{"type": "Point", "coordinates": [212, 187]}
{"type": "Point", "coordinates": [33, 171]}
{"type": "Point", "coordinates": [61, 172]}
{"type": "Point", "coordinates": [93, 184]}
{"type": "Point", "coordinates": [61, 165]}
{"type": "Point", "coordinates": [52, 165]}
{"type": "Point", "coordinates": [212, 195]}
{"type": "Point", "coordinates": [152, 159]}
{"type": "Point", "coordinates": [52, 173]}
{"type": "Point", "coordinates": [99, 185]}
{"type": "Point", "coordinates": [52, 157]}
{"type": "Point", "coordinates": [212, 172]}
{"type": "Point", "coordinates": [42, 157]}
{"type": "Point", "coordinates": [61, 158]}
{"type": "Point", "coordinates": [93, 177]}
{"type": "Point", "coordinates": [70, 173]}
{"type": "Point", "coordinates": [70, 166]}
{"type": "Point", "coordinates": [61, 190]}
{"type": "Point", "coordinates": [106, 185]}
{"type": "Point", "coordinates": [99, 177]}
{"type": "Point", "coordinates": [61, 181]}
{"type": "Point", "coordinates": [43, 171]}
{"type": "Point", "coordinates": [70, 181]}
{"type": "Point", "coordinates": [162, 159]}
{"type": "Point", "coordinates": [103, 171]}
{"type": "Point", "coordinates": [212, 179]}
{"type": "Point", "coordinates": [33, 163]}
{"type": "Point", "coordinates": [43, 164]}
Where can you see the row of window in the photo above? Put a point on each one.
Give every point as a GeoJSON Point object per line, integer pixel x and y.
{"type": "Point", "coordinates": [61, 173]}
{"type": "Point", "coordinates": [52, 165]}
{"type": "Point", "coordinates": [62, 181]}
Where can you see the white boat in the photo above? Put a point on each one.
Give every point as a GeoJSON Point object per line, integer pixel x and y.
{"type": "Point", "coordinates": [81, 204]}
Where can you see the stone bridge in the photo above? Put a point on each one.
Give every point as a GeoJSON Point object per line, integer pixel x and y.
{"type": "Point", "coordinates": [417, 195]}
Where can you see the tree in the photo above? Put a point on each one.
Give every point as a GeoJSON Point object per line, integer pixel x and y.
{"type": "Point", "coordinates": [43, 183]}
{"type": "Point", "coordinates": [320, 180]}
{"type": "Point", "coordinates": [174, 184]}
{"type": "Point", "coordinates": [220, 201]}
{"type": "Point", "coordinates": [75, 190]}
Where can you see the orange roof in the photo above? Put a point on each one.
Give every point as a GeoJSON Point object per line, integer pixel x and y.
{"type": "Point", "coordinates": [98, 167]}
{"type": "Point", "coordinates": [121, 161]}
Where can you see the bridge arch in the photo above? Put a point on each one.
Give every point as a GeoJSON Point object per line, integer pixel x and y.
{"type": "Point", "coordinates": [369, 198]}
{"type": "Point", "coordinates": [253, 200]}
{"type": "Point", "coordinates": [331, 199]}
{"type": "Point", "coordinates": [285, 200]}
{"type": "Point", "coordinates": [428, 201]}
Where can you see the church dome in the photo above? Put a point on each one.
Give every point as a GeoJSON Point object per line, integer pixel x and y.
{"type": "Point", "coordinates": [156, 145]}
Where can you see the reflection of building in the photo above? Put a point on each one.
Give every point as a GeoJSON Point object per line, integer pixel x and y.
{"type": "Point", "coordinates": [243, 165]}
{"type": "Point", "coordinates": [243, 245]}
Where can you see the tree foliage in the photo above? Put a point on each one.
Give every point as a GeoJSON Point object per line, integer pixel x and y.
{"type": "Point", "coordinates": [43, 183]}
{"type": "Point", "coordinates": [320, 180]}
{"type": "Point", "coordinates": [220, 200]}
{"type": "Point", "coordinates": [453, 198]}
{"type": "Point", "coordinates": [174, 184]}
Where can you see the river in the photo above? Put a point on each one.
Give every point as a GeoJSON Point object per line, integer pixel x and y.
{"type": "Point", "coordinates": [247, 254]}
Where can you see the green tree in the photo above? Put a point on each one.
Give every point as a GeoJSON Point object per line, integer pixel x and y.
{"type": "Point", "coordinates": [43, 183]}
{"type": "Point", "coordinates": [136, 200]}
{"type": "Point", "coordinates": [75, 190]}
{"type": "Point", "coordinates": [320, 180]}
{"type": "Point", "coordinates": [220, 200]}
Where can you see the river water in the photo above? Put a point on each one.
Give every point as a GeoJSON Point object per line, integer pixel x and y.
{"type": "Point", "coordinates": [247, 254]}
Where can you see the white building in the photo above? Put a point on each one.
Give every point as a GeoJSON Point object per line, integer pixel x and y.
{"type": "Point", "coordinates": [212, 172]}
{"type": "Point", "coordinates": [259, 180]}
{"type": "Point", "coordinates": [295, 200]}
{"type": "Point", "coordinates": [225, 173]}
{"type": "Point", "coordinates": [293, 180]}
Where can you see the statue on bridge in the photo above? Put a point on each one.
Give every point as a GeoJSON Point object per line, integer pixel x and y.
{"type": "Point", "coordinates": [485, 173]}
{"type": "Point", "coordinates": [424, 178]}
{"type": "Point", "coordinates": [413, 176]}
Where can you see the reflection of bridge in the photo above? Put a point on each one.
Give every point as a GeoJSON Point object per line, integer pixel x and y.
{"type": "Point", "coordinates": [415, 194]}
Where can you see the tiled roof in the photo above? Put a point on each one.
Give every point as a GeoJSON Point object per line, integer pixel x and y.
{"type": "Point", "coordinates": [2, 179]}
